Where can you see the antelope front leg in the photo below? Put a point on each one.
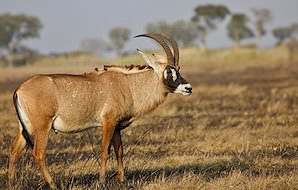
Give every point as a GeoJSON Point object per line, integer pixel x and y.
{"type": "Point", "coordinates": [117, 144]}
{"type": "Point", "coordinates": [40, 143]}
{"type": "Point", "coordinates": [107, 133]}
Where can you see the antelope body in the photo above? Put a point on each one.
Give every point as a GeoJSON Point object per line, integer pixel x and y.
{"type": "Point", "coordinates": [111, 98]}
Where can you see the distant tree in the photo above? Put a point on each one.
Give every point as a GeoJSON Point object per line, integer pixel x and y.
{"type": "Point", "coordinates": [119, 36]}
{"type": "Point", "coordinates": [208, 17]}
{"type": "Point", "coordinates": [14, 29]}
{"type": "Point", "coordinates": [289, 33]}
{"type": "Point", "coordinates": [95, 45]}
{"type": "Point", "coordinates": [238, 29]}
{"type": "Point", "coordinates": [282, 33]}
{"type": "Point", "coordinates": [294, 31]}
{"type": "Point", "coordinates": [160, 26]}
{"type": "Point", "coordinates": [262, 17]}
{"type": "Point", "coordinates": [184, 32]}
{"type": "Point", "coordinates": [285, 33]}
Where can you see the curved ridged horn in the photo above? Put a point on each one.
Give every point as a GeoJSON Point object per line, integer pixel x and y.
{"type": "Point", "coordinates": [166, 48]}
{"type": "Point", "coordinates": [174, 46]}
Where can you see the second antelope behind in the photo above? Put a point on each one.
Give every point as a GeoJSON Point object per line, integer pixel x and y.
{"type": "Point", "coordinates": [111, 98]}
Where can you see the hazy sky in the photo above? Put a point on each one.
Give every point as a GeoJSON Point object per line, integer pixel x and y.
{"type": "Point", "coordinates": [67, 22]}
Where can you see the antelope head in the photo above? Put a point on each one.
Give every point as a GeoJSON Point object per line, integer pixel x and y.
{"type": "Point", "coordinates": [168, 72]}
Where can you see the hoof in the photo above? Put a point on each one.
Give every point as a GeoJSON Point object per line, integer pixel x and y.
{"type": "Point", "coordinates": [102, 184]}
{"type": "Point", "coordinates": [53, 186]}
{"type": "Point", "coordinates": [123, 185]}
{"type": "Point", "coordinates": [122, 179]}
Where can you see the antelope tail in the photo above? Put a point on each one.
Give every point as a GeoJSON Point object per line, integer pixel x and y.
{"type": "Point", "coordinates": [24, 131]}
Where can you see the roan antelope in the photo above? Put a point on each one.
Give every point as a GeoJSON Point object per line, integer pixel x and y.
{"type": "Point", "coordinates": [111, 97]}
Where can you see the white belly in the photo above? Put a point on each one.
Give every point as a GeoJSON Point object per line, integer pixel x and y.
{"type": "Point", "coordinates": [60, 125]}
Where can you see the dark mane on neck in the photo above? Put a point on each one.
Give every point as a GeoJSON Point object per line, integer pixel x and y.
{"type": "Point", "coordinates": [125, 69]}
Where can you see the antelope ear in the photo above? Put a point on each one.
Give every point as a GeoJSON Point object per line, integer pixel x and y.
{"type": "Point", "coordinates": [151, 62]}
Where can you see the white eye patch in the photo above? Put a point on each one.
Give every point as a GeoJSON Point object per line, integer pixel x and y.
{"type": "Point", "coordinates": [165, 74]}
{"type": "Point", "coordinates": [174, 75]}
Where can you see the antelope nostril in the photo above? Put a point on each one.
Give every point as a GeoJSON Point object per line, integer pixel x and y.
{"type": "Point", "coordinates": [188, 88]}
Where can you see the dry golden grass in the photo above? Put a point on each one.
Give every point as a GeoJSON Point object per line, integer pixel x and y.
{"type": "Point", "coordinates": [227, 57]}
{"type": "Point", "coordinates": [238, 130]}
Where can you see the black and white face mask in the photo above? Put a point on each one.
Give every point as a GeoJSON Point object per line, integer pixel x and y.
{"type": "Point", "coordinates": [175, 83]}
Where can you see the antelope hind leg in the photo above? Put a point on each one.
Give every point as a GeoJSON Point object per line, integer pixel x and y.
{"type": "Point", "coordinates": [118, 148]}
{"type": "Point", "coordinates": [15, 150]}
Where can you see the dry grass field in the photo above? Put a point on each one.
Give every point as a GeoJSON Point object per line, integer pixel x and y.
{"type": "Point", "coordinates": [238, 130]}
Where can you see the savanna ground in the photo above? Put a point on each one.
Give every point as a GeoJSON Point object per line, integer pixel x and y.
{"type": "Point", "coordinates": [238, 130]}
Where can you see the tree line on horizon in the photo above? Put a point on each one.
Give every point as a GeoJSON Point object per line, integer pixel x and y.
{"type": "Point", "coordinates": [206, 19]}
